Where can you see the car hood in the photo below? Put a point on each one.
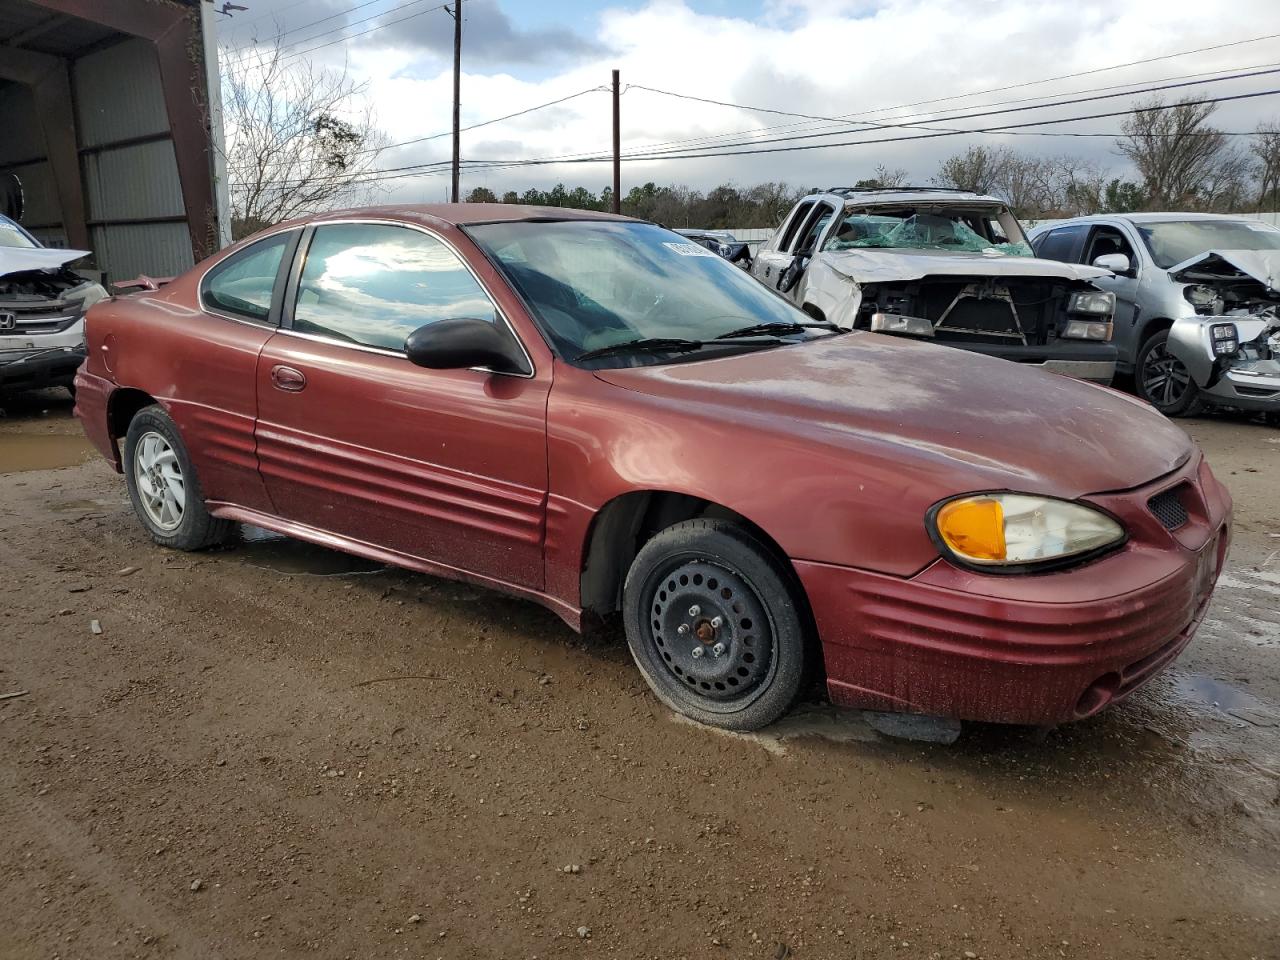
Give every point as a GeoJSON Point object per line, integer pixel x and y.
{"type": "Point", "coordinates": [878, 265]}
{"type": "Point", "coordinates": [1261, 265]}
{"type": "Point", "coordinates": [972, 422]}
{"type": "Point", "coordinates": [23, 259]}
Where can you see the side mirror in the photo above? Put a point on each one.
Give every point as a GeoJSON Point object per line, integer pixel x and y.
{"type": "Point", "coordinates": [1115, 262]}
{"type": "Point", "coordinates": [465, 342]}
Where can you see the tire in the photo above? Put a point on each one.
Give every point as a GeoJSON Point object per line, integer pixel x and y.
{"type": "Point", "coordinates": [1163, 380]}
{"type": "Point", "coordinates": [163, 485]}
{"type": "Point", "coordinates": [693, 574]}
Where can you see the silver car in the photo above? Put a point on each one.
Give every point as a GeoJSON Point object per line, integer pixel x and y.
{"type": "Point", "coordinates": [1197, 317]}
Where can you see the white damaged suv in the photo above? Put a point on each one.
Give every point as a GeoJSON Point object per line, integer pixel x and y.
{"type": "Point", "coordinates": [42, 307]}
{"type": "Point", "coordinates": [943, 265]}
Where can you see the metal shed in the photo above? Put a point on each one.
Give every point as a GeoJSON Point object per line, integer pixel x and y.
{"type": "Point", "coordinates": [110, 121]}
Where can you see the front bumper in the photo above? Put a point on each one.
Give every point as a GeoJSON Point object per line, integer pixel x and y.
{"type": "Point", "coordinates": [33, 369]}
{"type": "Point", "coordinates": [1038, 649]}
{"type": "Point", "coordinates": [1095, 362]}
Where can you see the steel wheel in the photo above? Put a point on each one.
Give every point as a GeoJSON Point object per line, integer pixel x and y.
{"type": "Point", "coordinates": [1165, 379]}
{"type": "Point", "coordinates": [710, 630]}
{"type": "Point", "coordinates": [717, 624]}
{"type": "Point", "coordinates": [158, 475]}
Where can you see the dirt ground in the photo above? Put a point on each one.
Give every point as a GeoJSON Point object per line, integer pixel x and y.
{"type": "Point", "coordinates": [273, 750]}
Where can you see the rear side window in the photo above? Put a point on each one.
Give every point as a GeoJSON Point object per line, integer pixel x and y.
{"type": "Point", "coordinates": [1060, 244]}
{"type": "Point", "coordinates": [242, 284]}
{"type": "Point", "coordinates": [374, 284]}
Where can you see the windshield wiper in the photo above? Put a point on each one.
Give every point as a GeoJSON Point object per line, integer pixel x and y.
{"type": "Point", "coordinates": [642, 345]}
{"type": "Point", "coordinates": [778, 327]}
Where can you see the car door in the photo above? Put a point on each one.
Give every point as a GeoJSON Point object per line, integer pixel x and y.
{"type": "Point", "coordinates": [446, 466]}
{"type": "Point", "coordinates": [1102, 240]}
{"type": "Point", "coordinates": [803, 248]}
{"type": "Point", "coordinates": [213, 370]}
{"type": "Point", "coordinates": [773, 258]}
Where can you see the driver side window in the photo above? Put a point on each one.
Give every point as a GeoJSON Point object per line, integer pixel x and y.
{"type": "Point", "coordinates": [1105, 240]}
{"type": "Point", "coordinates": [818, 221]}
{"type": "Point", "coordinates": [373, 284]}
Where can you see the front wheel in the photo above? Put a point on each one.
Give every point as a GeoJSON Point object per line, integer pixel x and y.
{"type": "Point", "coordinates": [1164, 381]}
{"type": "Point", "coordinates": [716, 625]}
{"type": "Point", "coordinates": [163, 485]}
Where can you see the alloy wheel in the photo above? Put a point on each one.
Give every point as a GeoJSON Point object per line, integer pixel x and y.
{"type": "Point", "coordinates": [1164, 377]}
{"type": "Point", "coordinates": [161, 487]}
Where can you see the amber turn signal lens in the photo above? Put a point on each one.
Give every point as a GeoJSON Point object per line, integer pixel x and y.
{"type": "Point", "coordinates": [974, 528]}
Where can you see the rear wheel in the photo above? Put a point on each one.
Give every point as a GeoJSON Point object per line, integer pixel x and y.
{"type": "Point", "coordinates": [1164, 381]}
{"type": "Point", "coordinates": [163, 485]}
{"type": "Point", "coordinates": [715, 625]}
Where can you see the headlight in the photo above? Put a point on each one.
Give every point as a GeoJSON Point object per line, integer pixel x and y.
{"type": "Point", "coordinates": [898, 323]}
{"type": "Point", "coordinates": [1013, 529]}
{"type": "Point", "coordinates": [87, 293]}
{"type": "Point", "coordinates": [1225, 339]}
{"type": "Point", "coordinates": [1093, 301]}
{"type": "Point", "coordinates": [1088, 330]}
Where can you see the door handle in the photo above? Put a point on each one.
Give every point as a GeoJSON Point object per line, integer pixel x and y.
{"type": "Point", "coordinates": [288, 378]}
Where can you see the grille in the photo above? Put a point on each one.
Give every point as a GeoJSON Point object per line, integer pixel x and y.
{"type": "Point", "coordinates": [1168, 509]}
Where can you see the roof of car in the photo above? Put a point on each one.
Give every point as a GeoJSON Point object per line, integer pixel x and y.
{"type": "Point", "coordinates": [892, 195]}
{"type": "Point", "coordinates": [465, 214]}
{"type": "Point", "coordinates": [1154, 217]}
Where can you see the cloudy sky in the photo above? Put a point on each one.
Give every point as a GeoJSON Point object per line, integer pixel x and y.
{"type": "Point", "coordinates": [920, 62]}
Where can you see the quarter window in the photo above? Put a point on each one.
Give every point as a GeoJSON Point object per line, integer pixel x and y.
{"type": "Point", "coordinates": [374, 284]}
{"type": "Point", "coordinates": [243, 283]}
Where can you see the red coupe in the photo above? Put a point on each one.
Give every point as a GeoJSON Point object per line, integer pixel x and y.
{"type": "Point", "coordinates": [600, 415]}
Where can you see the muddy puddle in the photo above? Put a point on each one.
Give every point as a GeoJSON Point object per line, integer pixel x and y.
{"type": "Point", "coordinates": [25, 452]}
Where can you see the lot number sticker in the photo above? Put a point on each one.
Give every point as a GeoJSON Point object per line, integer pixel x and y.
{"type": "Point", "coordinates": [689, 250]}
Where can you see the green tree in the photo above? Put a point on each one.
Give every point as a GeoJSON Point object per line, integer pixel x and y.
{"type": "Point", "coordinates": [481, 195]}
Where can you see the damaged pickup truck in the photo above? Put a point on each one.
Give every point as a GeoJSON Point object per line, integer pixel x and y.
{"type": "Point", "coordinates": [945, 265]}
{"type": "Point", "coordinates": [42, 307]}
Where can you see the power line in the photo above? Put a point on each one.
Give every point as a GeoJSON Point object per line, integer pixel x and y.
{"type": "Point", "coordinates": [853, 117]}
{"type": "Point", "coordinates": [474, 126]}
{"type": "Point", "coordinates": [492, 165]}
{"type": "Point", "coordinates": [381, 26]}
{"type": "Point", "coordinates": [987, 113]}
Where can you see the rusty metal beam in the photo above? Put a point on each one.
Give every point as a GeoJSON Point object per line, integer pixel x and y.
{"type": "Point", "coordinates": [49, 80]}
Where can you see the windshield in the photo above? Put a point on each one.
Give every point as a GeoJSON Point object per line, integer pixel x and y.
{"type": "Point", "coordinates": [971, 231]}
{"type": "Point", "coordinates": [593, 284]}
{"type": "Point", "coordinates": [12, 235]}
{"type": "Point", "coordinates": [1174, 241]}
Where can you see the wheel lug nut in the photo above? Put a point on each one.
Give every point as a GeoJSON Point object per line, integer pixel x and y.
{"type": "Point", "coordinates": [695, 610]}
{"type": "Point", "coordinates": [718, 649]}
{"type": "Point", "coordinates": [682, 629]}
{"type": "Point", "coordinates": [697, 652]}
{"type": "Point", "coordinates": [717, 622]}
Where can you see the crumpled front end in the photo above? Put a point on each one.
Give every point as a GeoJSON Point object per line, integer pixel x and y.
{"type": "Point", "coordinates": [1231, 344]}
{"type": "Point", "coordinates": [42, 325]}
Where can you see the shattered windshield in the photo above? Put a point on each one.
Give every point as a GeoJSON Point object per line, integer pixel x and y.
{"type": "Point", "coordinates": [1174, 241]}
{"type": "Point", "coordinates": [933, 229]}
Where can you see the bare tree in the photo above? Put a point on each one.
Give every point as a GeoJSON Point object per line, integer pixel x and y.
{"type": "Point", "coordinates": [1184, 162]}
{"type": "Point", "coordinates": [1266, 163]}
{"type": "Point", "coordinates": [978, 169]}
{"type": "Point", "coordinates": [298, 137]}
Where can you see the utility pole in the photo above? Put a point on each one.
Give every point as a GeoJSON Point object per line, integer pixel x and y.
{"type": "Point", "coordinates": [617, 149]}
{"type": "Point", "coordinates": [456, 13]}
